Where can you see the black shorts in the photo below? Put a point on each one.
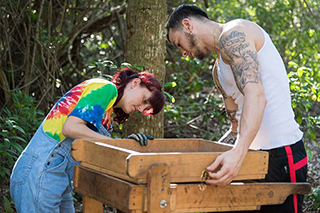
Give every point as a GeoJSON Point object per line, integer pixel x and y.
{"type": "Point", "coordinates": [286, 164]}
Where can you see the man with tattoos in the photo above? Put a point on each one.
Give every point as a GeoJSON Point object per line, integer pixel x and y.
{"type": "Point", "coordinates": [252, 78]}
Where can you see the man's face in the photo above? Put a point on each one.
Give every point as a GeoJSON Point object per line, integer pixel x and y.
{"type": "Point", "coordinates": [187, 43]}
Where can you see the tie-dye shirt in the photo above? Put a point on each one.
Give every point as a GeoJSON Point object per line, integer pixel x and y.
{"type": "Point", "coordinates": [92, 101]}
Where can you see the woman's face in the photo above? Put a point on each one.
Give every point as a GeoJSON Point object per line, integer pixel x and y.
{"type": "Point", "coordinates": [135, 98]}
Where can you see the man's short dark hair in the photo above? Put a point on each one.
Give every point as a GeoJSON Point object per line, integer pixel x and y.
{"type": "Point", "coordinates": [181, 12]}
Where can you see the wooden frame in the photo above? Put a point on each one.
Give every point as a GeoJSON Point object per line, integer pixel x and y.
{"type": "Point", "coordinates": [165, 176]}
{"type": "Point", "coordinates": [129, 161]}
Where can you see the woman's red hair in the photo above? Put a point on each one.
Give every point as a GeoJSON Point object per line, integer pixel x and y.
{"type": "Point", "coordinates": [122, 78]}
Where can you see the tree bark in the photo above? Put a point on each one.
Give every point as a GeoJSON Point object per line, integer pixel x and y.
{"type": "Point", "coordinates": [145, 45]}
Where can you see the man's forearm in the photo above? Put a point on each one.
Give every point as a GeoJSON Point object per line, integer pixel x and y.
{"type": "Point", "coordinates": [251, 118]}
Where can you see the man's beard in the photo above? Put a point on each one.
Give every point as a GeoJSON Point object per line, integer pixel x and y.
{"type": "Point", "coordinates": [199, 53]}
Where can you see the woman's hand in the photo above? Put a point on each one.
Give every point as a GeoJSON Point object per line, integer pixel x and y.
{"type": "Point", "coordinates": [141, 138]}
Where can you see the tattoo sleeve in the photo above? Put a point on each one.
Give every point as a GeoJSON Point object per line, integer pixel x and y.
{"type": "Point", "coordinates": [242, 58]}
{"type": "Point", "coordinates": [231, 114]}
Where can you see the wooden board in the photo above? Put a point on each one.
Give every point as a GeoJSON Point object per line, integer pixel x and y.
{"type": "Point", "coordinates": [107, 189]}
{"type": "Point", "coordinates": [243, 194]}
{"type": "Point", "coordinates": [130, 197]}
{"type": "Point", "coordinates": [158, 189]}
{"type": "Point", "coordinates": [101, 155]}
{"type": "Point", "coordinates": [188, 167]}
{"type": "Point", "coordinates": [211, 146]}
{"type": "Point", "coordinates": [132, 165]}
{"type": "Point", "coordinates": [156, 145]}
{"type": "Point", "coordinates": [91, 205]}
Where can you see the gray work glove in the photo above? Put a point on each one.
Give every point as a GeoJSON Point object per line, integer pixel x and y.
{"type": "Point", "coordinates": [141, 138]}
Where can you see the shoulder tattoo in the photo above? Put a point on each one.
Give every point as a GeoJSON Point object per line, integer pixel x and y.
{"type": "Point", "coordinates": [243, 61]}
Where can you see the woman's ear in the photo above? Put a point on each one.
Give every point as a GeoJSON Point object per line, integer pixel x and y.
{"type": "Point", "coordinates": [135, 82]}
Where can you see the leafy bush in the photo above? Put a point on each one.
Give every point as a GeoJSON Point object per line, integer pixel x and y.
{"type": "Point", "coordinates": [18, 122]}
{"type": "Point", "coordinates": [305, 91]}
{"type": "Point", "coordinates": [196, 111]}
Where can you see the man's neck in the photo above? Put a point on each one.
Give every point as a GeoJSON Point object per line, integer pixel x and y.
{"type": "Point", "coordinates": [211, 32]}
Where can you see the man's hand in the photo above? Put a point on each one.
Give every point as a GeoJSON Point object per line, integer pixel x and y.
{"type": "Point", "coordinates": [230, 162]}
{"type": "Point", "coordinates": [141, 138]}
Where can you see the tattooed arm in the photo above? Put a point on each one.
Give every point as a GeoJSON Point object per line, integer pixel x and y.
{"type": "Point", "coordinates": [237, 47]}
{"type": "Point", "coordinates": [231, 108]}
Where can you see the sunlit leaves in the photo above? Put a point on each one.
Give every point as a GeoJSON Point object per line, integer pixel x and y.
{"type": "Point", "coordinates": [170, 84]}
{"type": "Point", "coordinates": [172, 99]}
{"type": "Point", "coordinates": [305, 91]}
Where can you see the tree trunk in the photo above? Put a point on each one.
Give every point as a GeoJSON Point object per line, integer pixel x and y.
{"type": "Point", "coordinates": [145, 45]}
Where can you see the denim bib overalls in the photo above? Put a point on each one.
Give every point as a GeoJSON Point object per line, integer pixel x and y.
{"type": "Point", "coordinates": [41, 180]}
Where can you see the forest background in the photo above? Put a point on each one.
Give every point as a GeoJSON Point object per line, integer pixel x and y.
{"type": "Point", "coordinates": [49, 46]}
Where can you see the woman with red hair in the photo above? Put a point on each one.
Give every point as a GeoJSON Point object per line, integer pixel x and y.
{"type": "Point", "coordinates": [41, 178]}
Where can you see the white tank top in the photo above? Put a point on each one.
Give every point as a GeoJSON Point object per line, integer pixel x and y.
{"type": "Point", "coordinates": [278, 127]}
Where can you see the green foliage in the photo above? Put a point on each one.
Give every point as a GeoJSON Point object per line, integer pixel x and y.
{"type": "Point", "coordinates": [57, 42]}
{"type": "Point", "coordinates": [104, 68]}
{"type": "Point", "coordinates": [305, 91]}
{"type": "Point", "coordinates": [101, 68]}
{"type": "Point", "coordinates": [17, 123]}
{"type": "Point", "coordinates": [315, 196]}
{"type": "Point", "coordinates": [7, 205]}
{"type": "Point", "coordinates": [193, 109]}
